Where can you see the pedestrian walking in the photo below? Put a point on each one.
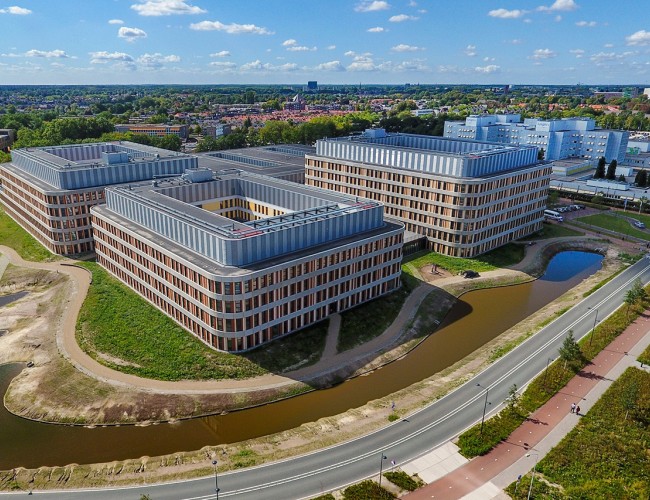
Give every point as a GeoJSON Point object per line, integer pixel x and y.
{"type": "Point", "coordinates": [577, 410]}
{"type": "Point", "coordinates": [573, 407]}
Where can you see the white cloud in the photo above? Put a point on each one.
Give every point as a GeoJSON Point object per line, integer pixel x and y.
{"type": "Point", "coordinates": [372, 6]}
{"type": "Point", "coordinates": [48, 54]}
{"type": "Point", "coordinates": [115, 21]}
{"type": "Point", "coordinates": [586, 24]}
{"type": "Point", "coordinates": [289, 43]}
{"type": "Point", "coordinates": [402, 47]}
{"type": "Point", "coordinates": [330, 66]}
{"type": "Point", "coordinates": [331, 47]}
{"type": "Point", "coordinates": [376, 29]}
{"type": "Point", "coordinates": [166, 8]}
{"type": "Point", "coordinates": [362, 63]}
{"type": "Point", "coordinates": [131, 34]}
{"type": "Point", "coordinates": [470, 50]}
{"type": "Point", "coordinates": [223, 66]}
{"type": "Point", "coordinates": [157, 61]}
{"type": "Point", "coordinates": [103, 57]}
{"type": "Point", "coordinates": [559, 5]}
{"type": "Point", "coordinates": [400, 18]}
{"type": "Point", "coordinates": [16, 11]}
{"type": "Point", "coordinates": [641, 37]}
{"type": "Point", "coordinates": [488, 59]}
{"type": "Point", "coordinates": [543, 54]}
{"type": "Point", "coordinates": [448, 69]}
{"type": "Point", "coordinates": [603, 57]}
{"type": "Point", "coordinates": [490, 68]}
{"type": "Point", "coordinates": [558, 18]}
{"type": "Point", "coordinates": [301, 48]}
{"type": "Point", "coordinates": [516, 41]}
{"type": "Point", "coordinates": [608, 45]}
{"type": "Point", "coordinates": [221, 53]}
{"type": "Point", "coordinates": [257, 65]}
{"type": "Point", "coordinates": [413, 3]}
{"type": "Point", "coordinates": [231, 29]}
{"type": "Point", "coordinates": [507, 14]}
{"type": "Point", "coordinates": [577, 52]}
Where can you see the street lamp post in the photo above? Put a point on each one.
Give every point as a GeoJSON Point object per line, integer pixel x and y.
{"type": "Point", "coordinates": [487, 390]}
{"type": "Point", "coordinates": [216, 478]}
{"type": "Point", "coordinates": [381, 466]}
{"type": "Point", "coordinates": [591, 337]}
{"type": "Point", "coordinates": [545, 372]}
{"type": "Point", "coordinates": [532, 476]}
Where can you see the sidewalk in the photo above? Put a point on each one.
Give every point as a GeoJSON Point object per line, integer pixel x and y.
{"type": "Point", "coordinates": [485, 477]}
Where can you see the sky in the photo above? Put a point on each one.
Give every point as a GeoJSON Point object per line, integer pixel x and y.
{"type": "Point", "coordinates": [331, 41]}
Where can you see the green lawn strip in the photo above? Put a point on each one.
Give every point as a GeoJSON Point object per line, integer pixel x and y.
{"type": "Point", "coordinates": [366, 490]}
{"type": "Point", "coordinates": [329, 496]}
{"type": "Point", "coordinates": [403, 480]}
{"type": "Point", "coordinates": [606, 454]}
{"type": "Point", "coordinates": [367, 321]}
{"type": "Point", "coordinates": [14, 236]}
{"type": "Point", "coordinates": [621, 225]}
{"type": "Point", "coordinates": [115, 321]}
{"type": "Point", "coordinates": [501, 257]}
{"type": "Point", "coordinates": [549, 231]}
{"type": "Point", "coordinates": [474, 443]}
{"type": "Point", "coordinates": [644, 357]}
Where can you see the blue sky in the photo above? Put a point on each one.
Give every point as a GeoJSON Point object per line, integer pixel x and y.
{"type": "Point", "coordinates": [332, 41]}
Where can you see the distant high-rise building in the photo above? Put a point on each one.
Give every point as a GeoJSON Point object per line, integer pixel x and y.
{"type": "Point", "coordinates": [312, 85]}
{"type": "Point", "coordinates": [561, 138]}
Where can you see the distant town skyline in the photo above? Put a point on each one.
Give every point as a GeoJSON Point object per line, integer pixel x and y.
{"type": "Point", "coordinates": [334, 42]}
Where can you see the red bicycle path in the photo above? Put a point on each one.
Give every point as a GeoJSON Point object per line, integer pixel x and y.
{"type": "Point", "coordinates": [480, 471]}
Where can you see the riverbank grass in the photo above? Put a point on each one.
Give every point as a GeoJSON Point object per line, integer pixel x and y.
{"type": "Point", "coordinates": [121, 330]}
{"type": "Point", "coordinates": [14, 236]}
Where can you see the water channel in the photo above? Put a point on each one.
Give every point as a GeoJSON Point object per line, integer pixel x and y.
{"type": "Point", "coordinates": [477, 318]}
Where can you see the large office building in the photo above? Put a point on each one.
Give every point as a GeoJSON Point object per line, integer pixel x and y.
{"type": "Point", "coordinates": [49, 190]}
{"type": "Point", "coordinates": [464, 197]}
{"type": "Point", "coordinates": [560, 139]}
{"type": "Point", "coordinates": [240, 259]}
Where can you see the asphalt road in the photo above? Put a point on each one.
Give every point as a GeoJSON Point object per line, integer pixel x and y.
{"type": "Point", "coordinates": [402, 441]}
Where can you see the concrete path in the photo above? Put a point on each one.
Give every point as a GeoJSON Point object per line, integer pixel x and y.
{"type": "Point", "coordinates": [485, 477]}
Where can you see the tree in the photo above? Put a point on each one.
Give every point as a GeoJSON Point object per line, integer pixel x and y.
{"type": "Point", "coordinates": [540, 154]}
{"type": "Point", "coordinates": [570, 350]}
{"type": "Point", "coordinates": [513, 399]}
{"type": "Point", "coordinates": [641, 178]}
{"type": "Point", "coordinates": [600, 169]}
{"type": "Point", "coordinates": [621, 178]}
{"type": "Point", "coordinates": [630, 300]}
{"type": "Point", "coordinates": [611, 170]}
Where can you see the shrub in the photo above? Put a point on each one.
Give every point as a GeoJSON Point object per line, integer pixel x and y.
{"type": "Point", "coordinates": [403, 480]}
{"type": "Point", "coordinates": [367, 490]}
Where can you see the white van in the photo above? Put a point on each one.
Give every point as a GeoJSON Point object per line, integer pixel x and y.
{"type": "Point", "coordinates": [553, 215]}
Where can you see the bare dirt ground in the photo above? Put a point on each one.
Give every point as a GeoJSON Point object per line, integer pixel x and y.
{"type": "Point", "coordinates": [36, 389]}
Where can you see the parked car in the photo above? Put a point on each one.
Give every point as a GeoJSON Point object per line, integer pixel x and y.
{"type": "Point", "coordinates": [639, 224]}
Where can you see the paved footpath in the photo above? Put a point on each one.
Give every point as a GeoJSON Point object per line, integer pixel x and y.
{"type": "Point", "coordinates": [485, 477]}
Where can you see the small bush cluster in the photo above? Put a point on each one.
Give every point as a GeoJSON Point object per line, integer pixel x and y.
{"type": "Point", "coordinates": [367, 490]}
{"type": "Point", "coordinates": [403, 480]}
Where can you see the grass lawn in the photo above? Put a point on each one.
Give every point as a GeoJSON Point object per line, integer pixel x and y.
{"type": "Point", "coordinates": [549, 231]}
{"type": "Point", "coordinates": [116, 322]}
{"type": "Point", "coordinates": [14, 236]}
{"type": "Point", "coordinates": [367, 321]}
{"type": "Point", "coordinates": [606, 455]}
{"type": "Point", "coordinates": [617, 224]}
{"type": "Point", "coordinates": [501, 257]}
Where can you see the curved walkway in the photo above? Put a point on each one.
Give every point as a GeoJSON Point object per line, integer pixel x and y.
{"type": "Point", "coordinates": [484, 477]}
{"type": "Point", "coordinates": [330, 361]}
